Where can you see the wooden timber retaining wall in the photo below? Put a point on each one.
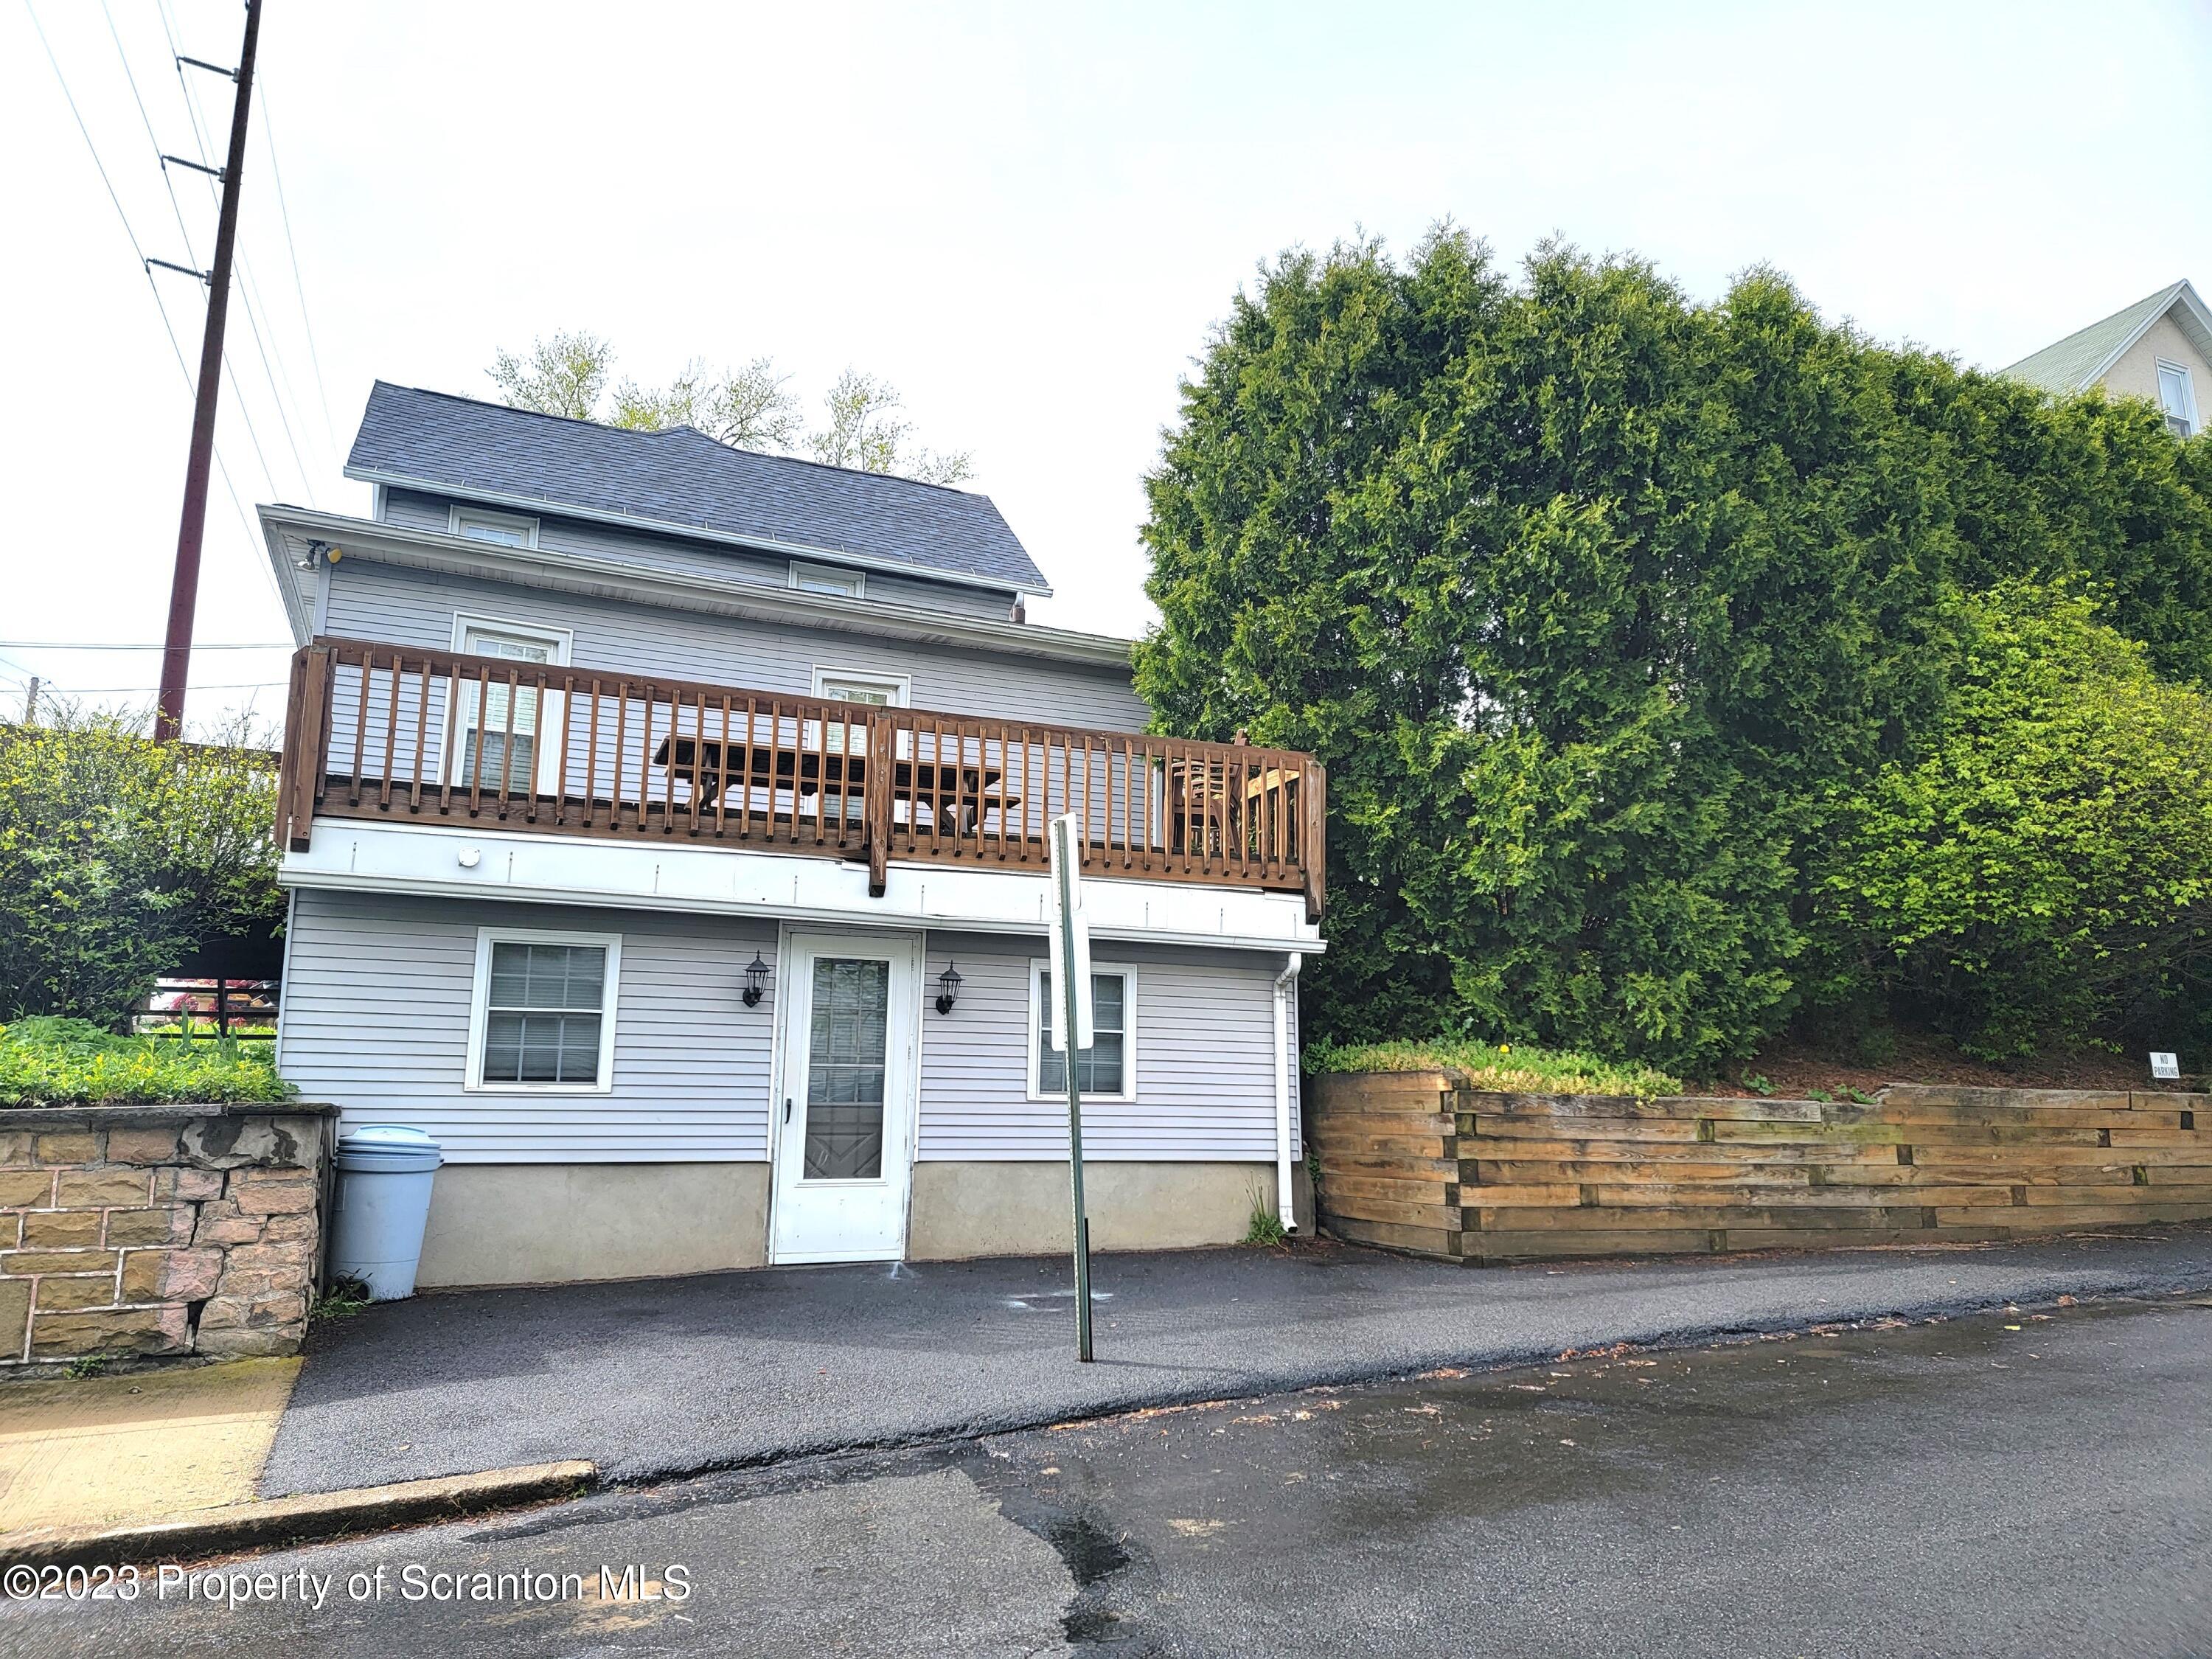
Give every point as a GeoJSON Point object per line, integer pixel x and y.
{"type": "Point", "coordinates": [1419, 1161]}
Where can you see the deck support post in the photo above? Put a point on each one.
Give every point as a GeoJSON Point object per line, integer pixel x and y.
{"type": "Point", "coordinates": [1313, 836]}
{"type": "Point", "coordinates": [876, 802]}
{"type": "Point", "coordinates": [307, 744]}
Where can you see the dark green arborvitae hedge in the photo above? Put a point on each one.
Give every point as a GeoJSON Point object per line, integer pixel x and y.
{"type": "Point", "coordinates": [1604, 607]}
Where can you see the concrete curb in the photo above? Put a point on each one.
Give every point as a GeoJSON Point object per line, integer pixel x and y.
{"type": "Point", "coordinates": [307, 1518]}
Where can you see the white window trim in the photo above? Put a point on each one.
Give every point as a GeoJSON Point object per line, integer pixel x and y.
{"type": "Point", "coordinates": [550, 715]}
{"type": "Point", "coordinates": [2189, 391]}
{"type": "Point", "coordinates": [458, 513]}
{"type": "Point", "coordinates": [480, 1020]}
{"type": "Point", "coordinates": [900, 686]}
{"type": "Point", "coordinates": [852, 583]}
{"type": "Point", "coordinates": [561, 639]}
{"type": "Point", "coordinates": [1038, 968]}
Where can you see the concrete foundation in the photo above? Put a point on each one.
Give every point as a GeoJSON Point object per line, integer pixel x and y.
{"type": "Point", "coordinates": [551, 1224]}
{"type": "Point", "coordinates": [544, 1224]}
{"type": "Point", "coordinates": [978, 1209]}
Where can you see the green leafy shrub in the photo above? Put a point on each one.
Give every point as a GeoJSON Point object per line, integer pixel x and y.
{"type": "Point", "coordinates": [1602, 607]}
{"type": "Point", "coordinates": [2044, 867]}
{"type": "Point", "coordinates": [1510, 1067]}
{"type": "Point", "coordinates": [49, 1062]}
{"type": "Point", "coordinates": [117, 852]}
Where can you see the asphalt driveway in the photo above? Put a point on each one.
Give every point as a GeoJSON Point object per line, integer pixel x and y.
{"type": "Point", "coordinates": [668, 1376]}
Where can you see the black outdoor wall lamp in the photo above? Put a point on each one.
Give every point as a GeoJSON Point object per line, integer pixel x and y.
{"type": "Point", "coordinates": [948, 989]}
{"type": "Point", "coordinates": [757, 974]}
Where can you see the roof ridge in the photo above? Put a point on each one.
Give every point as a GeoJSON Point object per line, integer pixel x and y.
{"type": "Point", "coordinates": [671, 431]}
{"type": "Point", "coordinates": [2161, 299]}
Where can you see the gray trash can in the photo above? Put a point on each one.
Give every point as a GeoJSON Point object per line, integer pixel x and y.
{"type": "Point", "coordinates": [385, 1172]}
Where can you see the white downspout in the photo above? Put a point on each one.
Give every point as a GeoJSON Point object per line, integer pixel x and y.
{"type": "Point", "coordinates": [1285, 1194]}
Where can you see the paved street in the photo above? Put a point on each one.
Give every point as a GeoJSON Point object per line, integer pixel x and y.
{"type": "Point", "coordinates": [2013, 1483]}
{"type": "Point", "coordinates": [677, 1376]}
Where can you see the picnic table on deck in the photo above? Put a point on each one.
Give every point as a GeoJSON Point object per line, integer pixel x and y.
{"type": "Point", "coordinates": [955, 789]}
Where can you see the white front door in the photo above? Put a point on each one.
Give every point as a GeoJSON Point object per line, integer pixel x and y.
{"type": "Point", "coordinates": [844, 1117]}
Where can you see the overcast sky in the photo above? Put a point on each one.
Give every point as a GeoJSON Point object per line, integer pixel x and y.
{"type": "Point", "coordinates": [1025, 217]}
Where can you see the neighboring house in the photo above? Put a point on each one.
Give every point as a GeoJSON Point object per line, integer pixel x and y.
{"type": "Point", "coordinates": [2158, 348]}
{"type": "Point", "coordinates": [642, 798]}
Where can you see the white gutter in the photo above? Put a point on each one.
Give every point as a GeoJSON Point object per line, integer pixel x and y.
{"type": "Point", "coordinates": [1286, 1196]}
{"type": "Point", "coordinates": [432, 549]}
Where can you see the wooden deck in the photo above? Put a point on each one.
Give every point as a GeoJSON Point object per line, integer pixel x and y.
{"type": "Point", "coordinates": [386, 733]}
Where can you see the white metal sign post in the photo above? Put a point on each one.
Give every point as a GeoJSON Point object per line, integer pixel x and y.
{"type": "Point", "coordinates": [1069, 1029]}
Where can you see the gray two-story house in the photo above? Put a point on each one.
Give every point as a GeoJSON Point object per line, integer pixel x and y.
{"type": "Point", "coordinates": [664, 830]}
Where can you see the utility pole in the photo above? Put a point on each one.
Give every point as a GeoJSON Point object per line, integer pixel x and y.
{"type": "Point", "coordinates": [31, 703]}
{"type": "Point", "coordinates": [184, 585]}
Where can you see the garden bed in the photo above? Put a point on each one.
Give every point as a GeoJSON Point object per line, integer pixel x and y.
{"type": "Point", "coordinates": [72, 1062]}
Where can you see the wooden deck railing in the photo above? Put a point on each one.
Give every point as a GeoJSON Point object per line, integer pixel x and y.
{"type": "Point", "coordinates": [384, 732]}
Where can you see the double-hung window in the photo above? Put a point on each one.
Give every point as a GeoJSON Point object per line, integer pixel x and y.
{"type": "Point", "coordinates": [483, 723]}
{"type": "Point", "coordinates": [543, 1015]}
{"type": "Point", "coordinates": [1107, 1070]}
{"type": "Point", "coordinates": [2177, 397]}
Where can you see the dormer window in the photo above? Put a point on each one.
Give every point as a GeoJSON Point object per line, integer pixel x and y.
{"type": "Point", "coordinates": [2178, 397]}
{"type": "Point", "coordinates": [500, 529]}
{"type": "Point", "coordinates": [828, 579]}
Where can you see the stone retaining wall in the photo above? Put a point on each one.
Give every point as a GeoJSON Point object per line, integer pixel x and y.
{"type": "Point", "coordinates": [1421, 1161]}
{"type": "Point", "coordinates": [160, 1229]}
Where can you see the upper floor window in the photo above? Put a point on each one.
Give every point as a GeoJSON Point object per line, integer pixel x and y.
{"type": "Point", "coordinates": [2178, 397]}
{"type": "Point", "coordinates": [491, 742]}
{"type": "Point", "coordinates": [883, 690]}
{"type": "Point", "coordinates": [502, 529]}
{"type": "Point", "coordinates": [826, 579]}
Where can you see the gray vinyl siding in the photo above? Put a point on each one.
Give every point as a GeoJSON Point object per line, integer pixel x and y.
{"type": "Point", "coordinates": [375, 1019]}
{"type": "Point", "coordinates": [418, 510]}
{"type": "Point", "coordinates": [399, 606]}
{"type": "Point", "coordinates": [1204, 1059]}
{"type": "Point", "coordinates": [376, 1010]}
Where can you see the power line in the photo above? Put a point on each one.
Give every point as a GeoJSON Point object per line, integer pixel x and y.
{"type": "Point", "coordinates": [183, 230]}
{"type": "Point", "coordinates": [152, 287]}
{"type": "Point", "coordinates": [250, 293]}
{"type": "Point", "coordinates": [133, 690]}
{"type": "Point", "coordinates": [203, 141]}
{"type": "Point", "coordinates": [299, 286]}
{"type": "Point", "coordinates": [197, 645]}
{"type": "Point", "coordinates": [175, 206]}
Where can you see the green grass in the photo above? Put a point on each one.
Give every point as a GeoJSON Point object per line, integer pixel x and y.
{"type": "Point", "coordinates": [1509, 1067]}
{"type": "Point", "coordinates": [1265, 1226]}
{"type": "Point", "coordinates": [72, 1062]}
{"type": "Point", "coordinates": [346, 1297]}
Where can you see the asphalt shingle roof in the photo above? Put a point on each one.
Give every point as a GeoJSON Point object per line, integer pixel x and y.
{"type": "Point", "coordinates": [2066, 365]}
{"type": "Point", "coordinates": [682, 477]}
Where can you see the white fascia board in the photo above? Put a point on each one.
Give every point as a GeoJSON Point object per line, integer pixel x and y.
{"type": "Point", "coordinates": [557, 507]}
{"type": "Point", "coordinates": [2193, 319]}
{"type": "Point", "coordinates": [349, 854]}
{"type": "Point", "coordinates": [298, 609]}
{"type": "Point", "coordinates": [2134, 335]}
{"type": "Point", "coordinates": [429, 549]}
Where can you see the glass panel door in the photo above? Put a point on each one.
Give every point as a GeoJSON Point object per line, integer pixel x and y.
{"type": "Point", "coordinates": [847, 1052]}
{"type": "Point", "coordinates": [843, 1124]}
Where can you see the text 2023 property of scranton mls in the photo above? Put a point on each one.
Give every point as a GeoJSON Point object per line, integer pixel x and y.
{"type": "Point", "coordinates": [665, 829]}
